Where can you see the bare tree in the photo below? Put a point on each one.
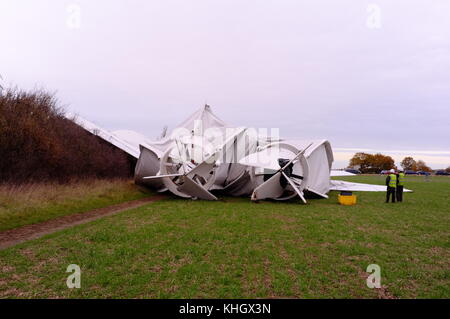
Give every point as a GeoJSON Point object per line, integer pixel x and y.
{"type": "Point", "coordinates": [163, 133]}
{"type": "Point", "coordinates": [422, 166]}
{"type": "Point", "coordinates": [408, 163]}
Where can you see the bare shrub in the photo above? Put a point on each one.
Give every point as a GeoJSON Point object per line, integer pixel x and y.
{"type": "Point", "coordinates": [38, 143]}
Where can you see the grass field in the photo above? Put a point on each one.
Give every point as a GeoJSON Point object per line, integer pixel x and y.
{"type": "Point", "coordinates": [32, 203]}
{"type": "Point", "coordinates": [233, 248]}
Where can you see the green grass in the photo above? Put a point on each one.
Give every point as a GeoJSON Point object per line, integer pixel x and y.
{"type": "Point", "coordinates": [237, 249]}
{"type": "Point", "coordinates": [32, 203]}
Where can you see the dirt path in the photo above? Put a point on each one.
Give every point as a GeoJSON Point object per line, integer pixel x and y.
{"type": "Point", "coordinates": [15, 236]}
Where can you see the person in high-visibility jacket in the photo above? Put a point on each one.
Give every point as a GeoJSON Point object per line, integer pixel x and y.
{"type": "Point", "coordinates": [391, 183]}
{"type": "Point", "coordinates": [400, 184]}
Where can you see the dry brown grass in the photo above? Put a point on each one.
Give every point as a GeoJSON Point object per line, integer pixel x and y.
{"type": "Point", "coordinates": [32, 194]}
{"type": "Point", "coordinates": [34, 202]}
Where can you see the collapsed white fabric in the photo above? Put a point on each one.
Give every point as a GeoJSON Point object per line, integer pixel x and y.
{"type": "Point", "coordinates": [337, 185]}
{"type": "Point", "coordinates": [240, 172]}
{"type": "Point", "coordinates": [320, 159]}
{"type": "Point", "coordinates": [198, 122]}
{"type": "Point", "coordinates": [127, 141]}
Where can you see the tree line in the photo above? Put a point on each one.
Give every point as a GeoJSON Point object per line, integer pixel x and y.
{"type": "Point", "coordinates": [39, 143]}
{"type": "Point", "coordinates": [375, 163]}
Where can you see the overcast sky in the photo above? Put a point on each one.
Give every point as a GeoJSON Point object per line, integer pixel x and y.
{"type": "Point", "coordinates": [371, 75]}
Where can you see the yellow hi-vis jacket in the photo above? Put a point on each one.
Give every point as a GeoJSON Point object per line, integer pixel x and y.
{"type": "Point", "coordinates": [401, 179]}
{"type": "Point", "coordinates": [393, 180]}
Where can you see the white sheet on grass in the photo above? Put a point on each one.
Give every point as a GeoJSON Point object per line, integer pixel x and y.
{"type": "Point", "coordinates": [335, 172]}
{"type": "Point", "coordinates": [337, 185]}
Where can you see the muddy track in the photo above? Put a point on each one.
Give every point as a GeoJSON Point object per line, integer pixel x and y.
{"type": "Point", "coordinates": [15, 236]}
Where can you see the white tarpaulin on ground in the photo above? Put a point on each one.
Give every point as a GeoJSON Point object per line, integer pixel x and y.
{"type": "Point", "coordinates": [335, 172]}
{"type": "Point", "coordinates": [336, 185]}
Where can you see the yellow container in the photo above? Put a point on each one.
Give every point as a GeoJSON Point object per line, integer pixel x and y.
{"type": "Point", "coordinates": [347, 199]}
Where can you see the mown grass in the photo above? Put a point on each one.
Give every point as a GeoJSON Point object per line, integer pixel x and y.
{"type": "Point", "coordinates": [32, 203]}
{"type": "Point", "coordinates": [237, 249]}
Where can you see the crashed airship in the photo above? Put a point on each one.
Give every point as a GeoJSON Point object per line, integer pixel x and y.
{"type": "Point", "coordinates": [204, 156]}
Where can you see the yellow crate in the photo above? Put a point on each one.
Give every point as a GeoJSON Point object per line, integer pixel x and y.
{"type": "Point", "coordinates": [347, 199]}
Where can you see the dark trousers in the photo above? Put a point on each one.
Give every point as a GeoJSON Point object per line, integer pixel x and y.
{"type": "Point", "coordinates": [390, 192]}
{"type": "Point", "coordinates": [399, 193]}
